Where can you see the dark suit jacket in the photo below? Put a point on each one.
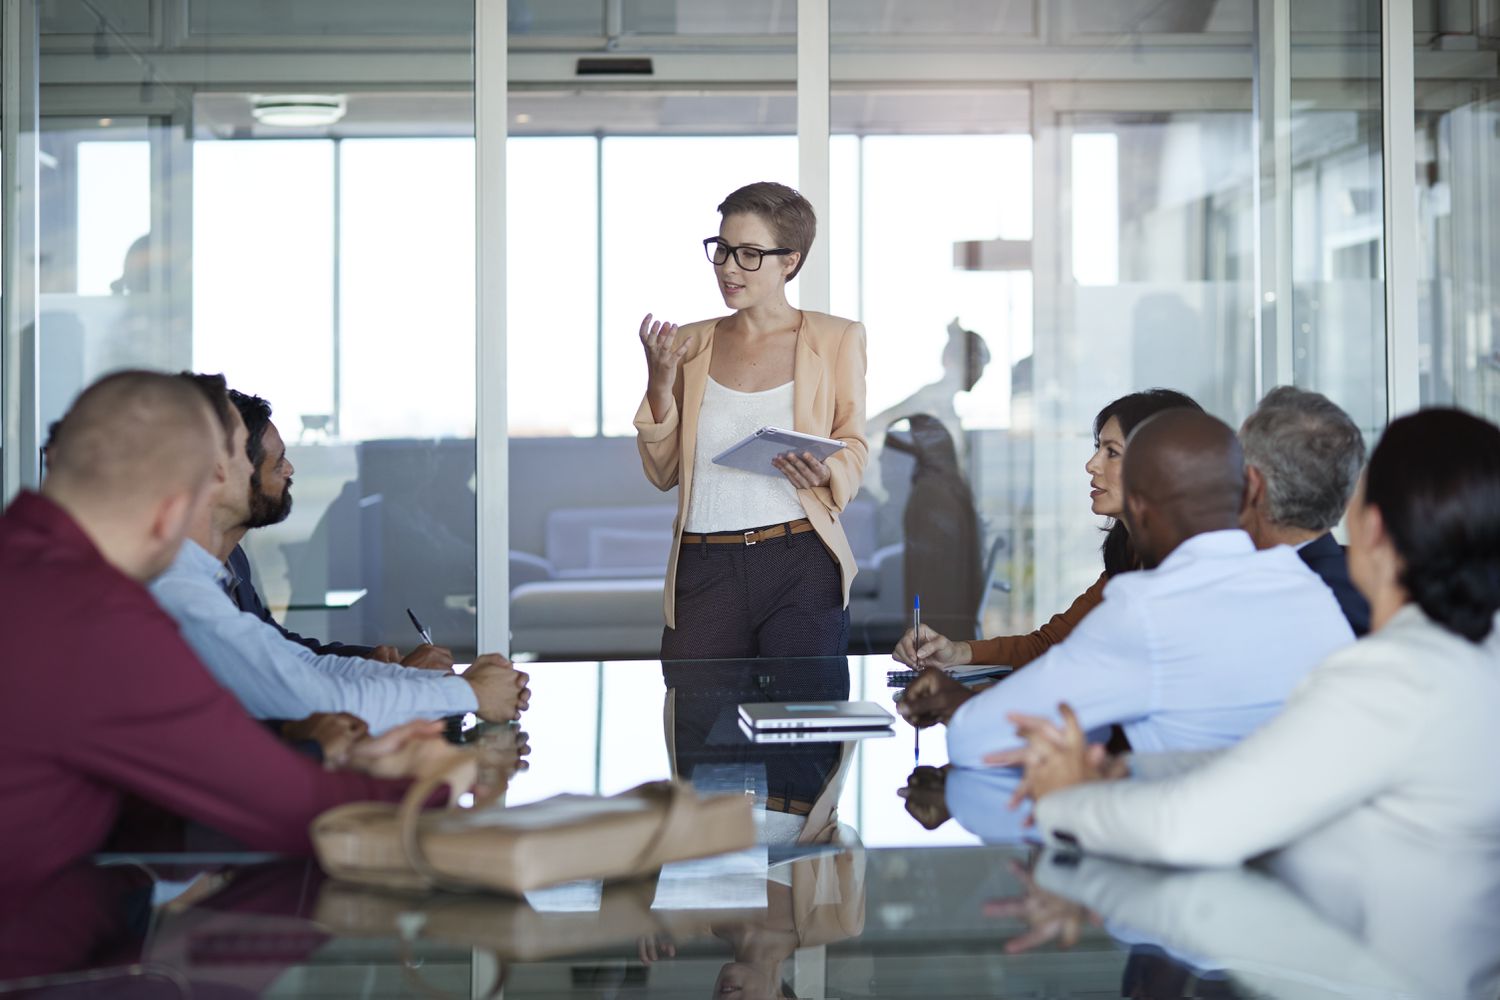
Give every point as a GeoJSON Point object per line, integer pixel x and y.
{"type": "Point", "coordinates": [247, 599]}
{"type": "Point", "coordinates": [1325, 557]}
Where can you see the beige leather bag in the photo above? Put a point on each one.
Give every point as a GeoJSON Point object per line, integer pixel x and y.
{"type": "Point", "coordinates": [540, 844]}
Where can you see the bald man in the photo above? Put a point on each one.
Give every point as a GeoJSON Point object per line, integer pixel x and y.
{"type": "Point", "coordinates": [1193, 652]}
{"type": "Point", "coordinates": [118, 704]}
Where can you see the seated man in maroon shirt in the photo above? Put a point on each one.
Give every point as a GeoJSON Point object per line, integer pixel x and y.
{"type": "Point", "coordinates": [116, 703]}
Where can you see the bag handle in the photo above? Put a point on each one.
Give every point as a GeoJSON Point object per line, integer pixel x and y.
{"type": "Point", "coordinates": [408, 818]}
{"type": "Point", "coordinates": [679, 815]}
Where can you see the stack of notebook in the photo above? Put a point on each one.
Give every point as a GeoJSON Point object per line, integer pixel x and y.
{"type": "Point", "coordinates": [814, 721]}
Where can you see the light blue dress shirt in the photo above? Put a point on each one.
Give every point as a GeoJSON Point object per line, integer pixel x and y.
{"type": "Point", "coordinates": [1192, 655]}
{"type": "Point", "coordinates": [275, 678]}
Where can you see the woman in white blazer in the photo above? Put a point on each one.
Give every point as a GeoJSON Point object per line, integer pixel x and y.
{"type": "Point", "coordinates": [1385, 748]}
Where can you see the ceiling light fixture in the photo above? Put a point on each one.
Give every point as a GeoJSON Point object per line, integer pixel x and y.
{"type": "Point", "coordinates": [298, 110]}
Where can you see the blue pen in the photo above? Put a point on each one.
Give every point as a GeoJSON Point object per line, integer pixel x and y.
{"type": "Point", "coordinates": [916, 640]}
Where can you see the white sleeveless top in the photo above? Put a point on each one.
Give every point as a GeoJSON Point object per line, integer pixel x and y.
{"type": "Point", "coordinates": [727, 500]}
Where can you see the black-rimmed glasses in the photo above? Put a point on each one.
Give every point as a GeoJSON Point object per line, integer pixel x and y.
{"type": "Point", "coordinates": [749, 258]}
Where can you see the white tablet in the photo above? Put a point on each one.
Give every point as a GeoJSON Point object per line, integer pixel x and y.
{"type": "Point", "coordinates": [754, 452]}
{"type": "Point", "coordinates": [814, 715]}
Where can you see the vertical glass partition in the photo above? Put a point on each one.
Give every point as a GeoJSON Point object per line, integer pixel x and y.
{"type": "Point", "coordinates": [1458, 234]}
{"type": "Point", "coordinates": [1338, 239]}
{"type": "Point", "coordinates": [313, 242]}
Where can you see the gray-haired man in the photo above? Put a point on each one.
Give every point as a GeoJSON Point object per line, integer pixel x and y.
{"type": "Point", "coordinates": [1303, 456]}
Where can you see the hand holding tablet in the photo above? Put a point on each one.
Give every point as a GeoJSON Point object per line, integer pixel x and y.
{"type": "Point", "coordinates": [756, 452]}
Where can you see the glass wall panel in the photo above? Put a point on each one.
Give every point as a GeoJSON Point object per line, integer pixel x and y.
{"type": "Point", "coordinates": [316, 248]}
{"type": "Point", "coordinates": [1153, 287]}
{"type": "Point", "coordinates": [1458, 211]}
{"type": "Point", "coordinates": [104, 301]}
{"type": "Point", "coordinates": [710, 17]}
{"type": "Point", "coordinates": [555, 17]}
{"type": "Point", "coordinates": [1155, 17]}
{"type": "Point", "coordinates": [324, 18]}
{"type": "Point", "coordinates": [263, 219]}
{"type": "Point", "coordinates": [552, 293]}
{"type": "Point", "coordinates": [933, 17]}
{"type": "Point", "coordinates": [406, 284]}
{"type": "Point", "coordinates": [1338, 247]}
{"type": "Point", "coordinates": [60, 19]}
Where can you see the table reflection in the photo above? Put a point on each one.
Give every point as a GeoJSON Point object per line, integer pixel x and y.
{"type": "Point", "coordinates": [1247, 932]}
{"type": "Point", "coordinates": [797, 784]}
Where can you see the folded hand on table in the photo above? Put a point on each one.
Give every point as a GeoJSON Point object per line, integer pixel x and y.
{"type": "Point", "coordinates": [1055, 757]}
{"type": "Point", "coordinates": [418, 750]}
{"type": "Point", "coordinates": [334, 732]}
{"type": "Point", "coordinates": [499, 687]}
{"type": "Point", "coordinates": [1048, 917]}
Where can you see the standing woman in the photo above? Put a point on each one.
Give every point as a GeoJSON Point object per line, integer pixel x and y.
{"type": "Point", "coordinates": [759, 564]}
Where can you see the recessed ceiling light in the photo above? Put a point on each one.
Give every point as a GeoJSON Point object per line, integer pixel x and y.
{"type": "Point", "coordinates": [298, 110]}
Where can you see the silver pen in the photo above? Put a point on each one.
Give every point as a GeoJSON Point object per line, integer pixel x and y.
{"type": "Point", "coordinates": [422, 630]}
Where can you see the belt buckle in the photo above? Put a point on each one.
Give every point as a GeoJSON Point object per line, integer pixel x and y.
{"type": "Point", "coordinates": [750, 538]}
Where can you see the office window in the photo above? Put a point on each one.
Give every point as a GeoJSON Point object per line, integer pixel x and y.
{"type": "Point", "coordinates": [112, 214]}
{"type": "Point", "coordinates": [263, 302]}
{"type": "Point", "coordinates": [552, 291]}
{"type": "Point", "coordinates": [406, 288]}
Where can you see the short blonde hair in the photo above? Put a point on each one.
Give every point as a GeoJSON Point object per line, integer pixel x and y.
{"type": "Point", "coordinates": [790, 216]}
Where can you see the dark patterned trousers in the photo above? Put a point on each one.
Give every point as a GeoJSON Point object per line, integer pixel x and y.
{"type": "Point", "coordinates": [781, 597]}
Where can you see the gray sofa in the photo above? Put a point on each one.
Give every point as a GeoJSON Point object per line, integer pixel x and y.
{"type": "Point", "coordinates": [595, 591]}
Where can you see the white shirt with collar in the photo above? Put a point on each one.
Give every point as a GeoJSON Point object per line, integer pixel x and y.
{"type": "Point", "coordinates": [1380, 759]}
{"type": "Point", "coordinates": [275, 678]}
{"type": "Point", "coordinates": [1195, 654]}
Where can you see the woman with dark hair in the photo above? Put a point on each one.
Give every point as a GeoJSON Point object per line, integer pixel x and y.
{"type": "Point", "coordinates": [1383, 751]}
{"type": "Point", "coordinates": [1112, 427]}
{"type": "Point", "coordinates": [759, 564]}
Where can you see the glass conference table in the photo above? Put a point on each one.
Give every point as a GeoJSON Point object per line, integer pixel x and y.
{"type": "Point", "coordinates": [960, 905]}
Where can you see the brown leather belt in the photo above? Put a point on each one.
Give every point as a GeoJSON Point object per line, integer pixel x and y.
{"type": "Point", "coordinates": [796, 807]}
{"type": "Point", "coordinates": [751, 537]}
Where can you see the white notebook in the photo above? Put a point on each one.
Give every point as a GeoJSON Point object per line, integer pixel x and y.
{"type": "Point", "coordinates": [753, 453]}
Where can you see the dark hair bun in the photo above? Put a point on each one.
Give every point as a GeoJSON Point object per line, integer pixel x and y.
{"type": "Point", "coordinates": [1435, 478]}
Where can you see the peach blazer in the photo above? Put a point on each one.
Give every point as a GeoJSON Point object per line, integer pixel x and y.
{"type": "Point", "coordinates": [828, 398]}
